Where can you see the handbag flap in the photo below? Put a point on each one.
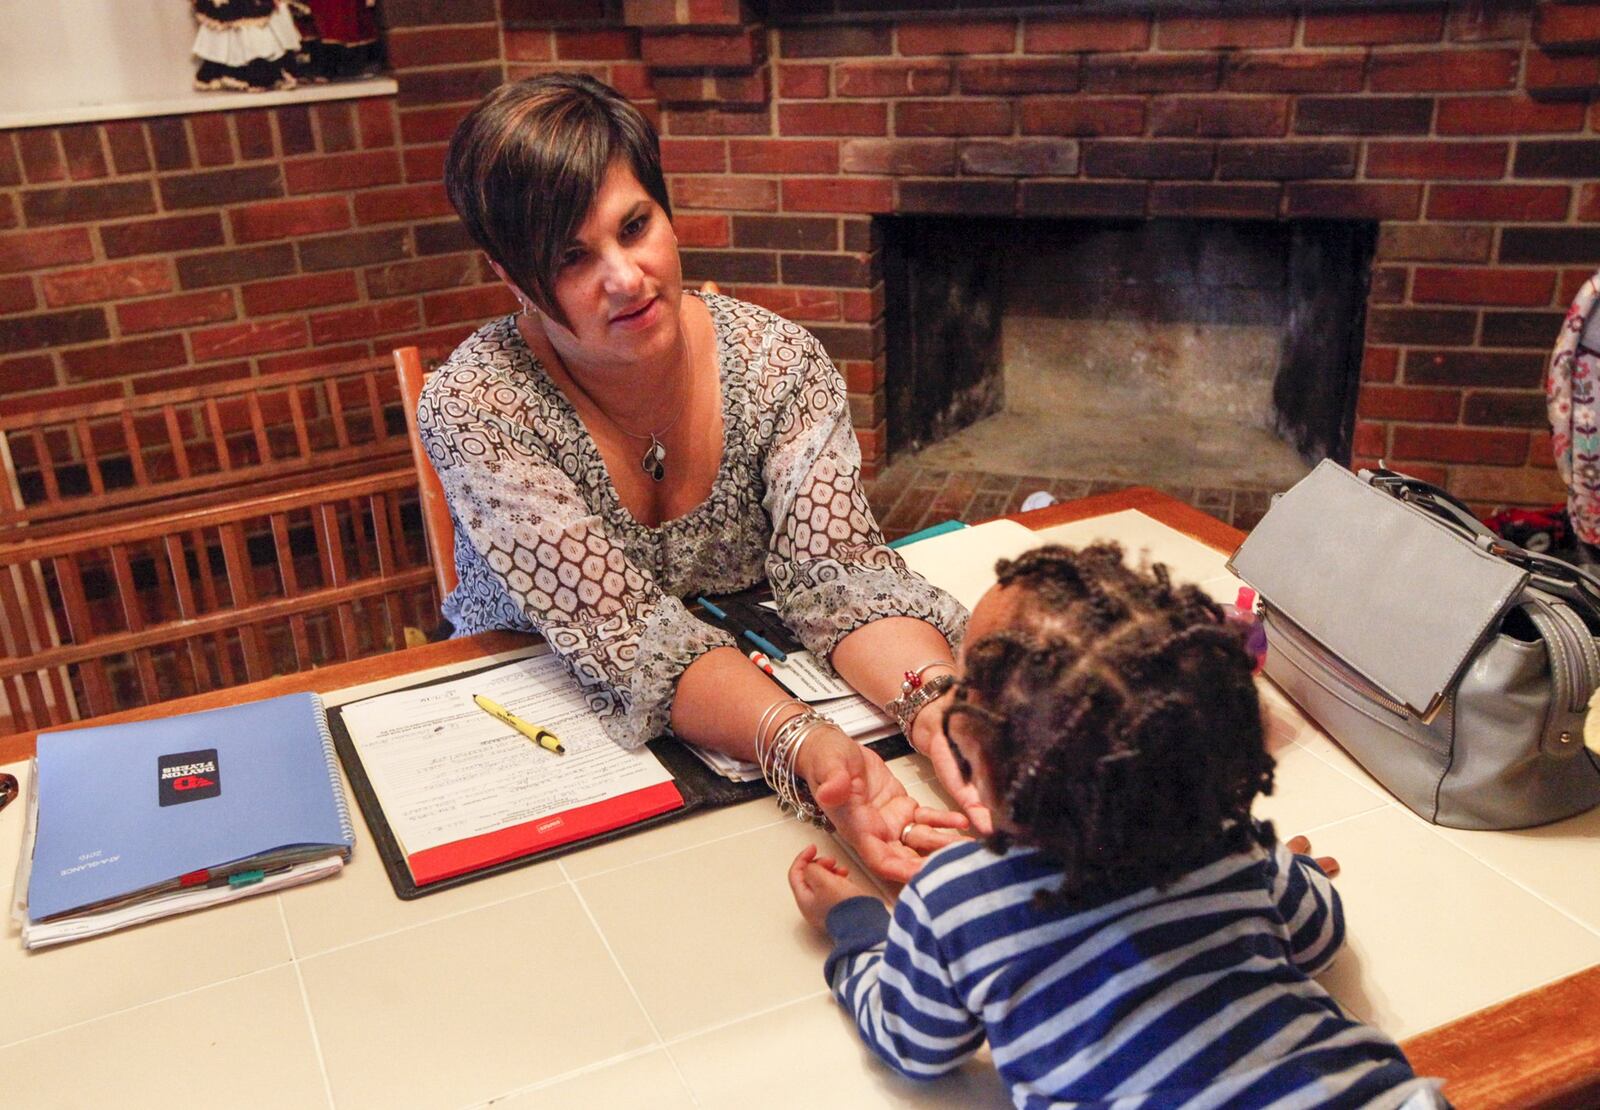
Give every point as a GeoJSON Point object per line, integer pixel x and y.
{"type": "Point", "coordinates": [1393, 592]}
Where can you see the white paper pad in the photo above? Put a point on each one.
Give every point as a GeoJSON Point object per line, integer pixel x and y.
{"type": "Point", "coordinates": [446, 771]}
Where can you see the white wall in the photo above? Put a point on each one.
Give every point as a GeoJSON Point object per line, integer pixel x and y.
{"type": "Point", "coordinates": [73, 60]}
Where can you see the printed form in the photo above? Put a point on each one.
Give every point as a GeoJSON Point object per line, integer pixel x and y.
{"type": "Point", "coordinates": [446, 771]}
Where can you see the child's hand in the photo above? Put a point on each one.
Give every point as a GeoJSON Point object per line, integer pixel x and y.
{"type": "Point", "coordinates": [819, 885]}
{"type": "Point", "coordinates": [1300, 846]}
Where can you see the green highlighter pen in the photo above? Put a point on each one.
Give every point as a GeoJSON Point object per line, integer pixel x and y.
{"type": "Point", "coordinates": [537, 733]}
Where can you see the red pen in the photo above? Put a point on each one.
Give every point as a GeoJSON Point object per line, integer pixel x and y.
{"type": "Point", "coordinates": [763, 662]}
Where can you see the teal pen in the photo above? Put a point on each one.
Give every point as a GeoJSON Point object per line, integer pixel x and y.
{"type": "Point", "coordinates": [774, 652]}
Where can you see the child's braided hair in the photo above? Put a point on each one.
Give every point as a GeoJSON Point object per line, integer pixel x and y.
{"type": "Point", "coordinates": [1119, 720]}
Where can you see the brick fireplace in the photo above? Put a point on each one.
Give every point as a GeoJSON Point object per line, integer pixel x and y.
{"type": "Point", "coordinates": [1463, 131]}
{"type": "Point", "coordinates": [141, 254]}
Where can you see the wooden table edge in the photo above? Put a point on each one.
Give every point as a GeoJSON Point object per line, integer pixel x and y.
{"type": "Point", "coordinates": [1539, 1049]}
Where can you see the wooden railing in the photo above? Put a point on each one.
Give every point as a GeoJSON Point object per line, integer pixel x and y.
{"type": "Point", "coordinates": [202, 443]}
{"type": "Point", "coordinates": [94, 620]}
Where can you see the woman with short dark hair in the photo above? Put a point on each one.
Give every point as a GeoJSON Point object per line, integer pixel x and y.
{"type": "Point", "coordinates": [622, 443]}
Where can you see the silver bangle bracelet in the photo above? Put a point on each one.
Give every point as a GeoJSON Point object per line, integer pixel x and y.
{"type": "Point", "coordinates": [778, 759]}
{"type": "Point", "coordinates": [905, 708]}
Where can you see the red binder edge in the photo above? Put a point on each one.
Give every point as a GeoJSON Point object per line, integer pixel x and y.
{"type": "Point", "coordinates": [462, 856]}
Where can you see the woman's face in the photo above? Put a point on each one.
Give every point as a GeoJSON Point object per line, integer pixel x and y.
{"type": "Point", "coordinates": [619, 281]}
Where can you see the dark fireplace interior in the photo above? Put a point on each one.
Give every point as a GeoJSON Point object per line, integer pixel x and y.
{"type": "Point", "coordinates": [1209, 353]}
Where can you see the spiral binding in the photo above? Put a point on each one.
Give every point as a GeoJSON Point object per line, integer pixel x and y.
{"type": "Point", "coordinates": [332, 758]}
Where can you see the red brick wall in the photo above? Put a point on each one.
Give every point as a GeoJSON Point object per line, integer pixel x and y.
{"type": "Point", "coordinates": [1465, 130]}
{"type": "Point", "coordinates": [144, 254]}
{"type": "Point", "coordinates": [135, 255]}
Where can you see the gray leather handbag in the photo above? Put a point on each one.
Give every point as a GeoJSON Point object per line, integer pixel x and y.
{"type": "Point", "coordinates": [1454, 666]}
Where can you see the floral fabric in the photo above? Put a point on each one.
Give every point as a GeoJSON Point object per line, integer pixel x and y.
{"type": "Point", "coordinates": [1574, 418]}
{"type": "Point", "coordinates": [544, 544]}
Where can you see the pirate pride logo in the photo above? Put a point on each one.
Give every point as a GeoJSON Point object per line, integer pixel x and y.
{"type": "Point", "coordinates": [189, 776]}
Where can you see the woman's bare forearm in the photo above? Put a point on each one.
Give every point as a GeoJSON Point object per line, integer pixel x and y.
{"type": "Point", "coordinates": [720, 700]}
{"type": "Point", "coordinates": [721, 697]}
{"type": "Point", "coordinates": [875, 657]}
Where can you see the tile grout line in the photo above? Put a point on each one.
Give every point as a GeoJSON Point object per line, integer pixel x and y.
{"type": "Point", "coordinates": [753, 1015]}
{"type": "Point", "coordinates": [555, 1080]}
{"type": "Point", "coordinates": [1512, 879]}
{"type": "Point", "coordinates": [305, 1000]}
{"type": "Point", "coordinates": [138, 1006]}
{"type": "Point", "coordinates": [565, 880]}
{"type": "Point", "coordinates": [679, 851]}
{"type": "Point", "coordinates": [431, 921]}
{"type": "Point", "coordinates": [605, 942]}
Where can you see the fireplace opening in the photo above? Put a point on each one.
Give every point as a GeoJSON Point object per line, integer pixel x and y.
{"type": "Point", "coordinates": [1176, 353]}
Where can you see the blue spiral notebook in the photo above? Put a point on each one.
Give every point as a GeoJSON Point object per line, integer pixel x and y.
{"type": "Point", "coordinates": [204, 800]}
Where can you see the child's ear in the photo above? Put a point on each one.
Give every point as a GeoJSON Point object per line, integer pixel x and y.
{"type": "Point", "coordinates": [961, 763]}
{"type": "Point", "coordinates": [976, 771]}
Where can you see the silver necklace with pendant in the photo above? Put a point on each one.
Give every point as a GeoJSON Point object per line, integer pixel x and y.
{"type": "Point", "coordinates": [654, 460]}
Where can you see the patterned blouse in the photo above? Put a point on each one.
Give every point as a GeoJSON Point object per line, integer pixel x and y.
{"type": "Point", "coordinates": [543, 543]}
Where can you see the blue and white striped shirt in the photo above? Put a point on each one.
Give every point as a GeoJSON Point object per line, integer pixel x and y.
{"type": "Point", "coordinates": [1196, 995]}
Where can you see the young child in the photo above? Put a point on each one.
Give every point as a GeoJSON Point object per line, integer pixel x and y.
{"type": "Point", "coordinates": [1128, 933]}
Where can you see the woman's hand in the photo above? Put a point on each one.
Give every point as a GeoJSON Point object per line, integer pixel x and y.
{"type": "Point", "coordinates": [928, 738]}
{"type": "Point", "coordinates": [1300, 846]}
{"type": "Point", "coordinates": [870, 809]}
{"type": "Point", "coordinates": [819, 885]}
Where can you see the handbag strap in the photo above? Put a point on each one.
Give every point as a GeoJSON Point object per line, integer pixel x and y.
{"type": "Point", "coordinates": [1571, 583]}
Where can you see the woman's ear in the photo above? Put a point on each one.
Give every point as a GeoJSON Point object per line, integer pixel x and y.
{"type": "Point", "coordinates": [516, 291]}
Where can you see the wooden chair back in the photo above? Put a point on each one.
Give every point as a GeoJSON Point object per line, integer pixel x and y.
{"type": "Point", "coordinates": [435, 509]}
{"type": "Point", "coordinates": [159, 608]}
{"type": "Point", "coordinates": [112, 458]}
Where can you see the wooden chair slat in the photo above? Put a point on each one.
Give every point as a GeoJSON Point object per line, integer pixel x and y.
{"type": "Point", "coordinates": [299, 636]}
{"type": "Point", "coordinates": [38, 703]}
{"type": "Point", "coordinates": [10, 493]}
{"type": "Point", "coordinates": [388, 566]}
{"type": "Point", "coordinates": [183, 589]}
{"type": "Point", "coordinates": [182, 582]}
{"type": "Point", "coordinates": [258, 428]}
{"type": "Point", "coordinates": [341, 429]}
{"type": "Point", "coordinates": [219, 437]}
{"type": "Point", "coordinates": [127, 592]}
{"type": "Point", "coordinates": [69, 583]}
{"type": "Point", "coordinates": [380, 429]}
{"type": "Point", "coordinates": [91, 458]}
{"type": "Point", "coordinates": [242, 592]}
{"type": "Point", "coordinates": [130, 436]}
{"type": "Point", "coordinates": [19, 636]}
{"type": "Point", "coordinates": [180, 450]}
{"type": "Point", "coordinates": [330, 544]}
{"type": "Point", "coordinates": [133, 618]}
{"type": "Point", "coordinates": [297, 413]}
{"type": "Point", "coordinates": [47, 466]}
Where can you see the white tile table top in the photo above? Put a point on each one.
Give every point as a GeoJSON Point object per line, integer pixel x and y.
{"type": "Point", "coordinates": [670, 968]}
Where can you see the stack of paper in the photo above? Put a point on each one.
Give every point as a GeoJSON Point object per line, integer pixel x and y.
{"type": "Point", "coordinates": [128, 823]}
